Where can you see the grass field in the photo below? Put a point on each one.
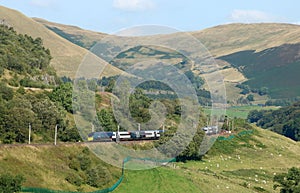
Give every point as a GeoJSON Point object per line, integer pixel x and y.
{"type": "Point", "coordinates": [238, 111]}
{"type": "Point", "coordinates": [156, 180]}
{"type": "Point", "coordinates": [245, 164]}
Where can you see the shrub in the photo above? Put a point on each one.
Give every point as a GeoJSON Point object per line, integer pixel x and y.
{"type": "Point", "coordinates": [74, 179]}
{"type": "Point", "coordinates": [98, 176]}
{"type": "Point", "coordinates": [10, 184]}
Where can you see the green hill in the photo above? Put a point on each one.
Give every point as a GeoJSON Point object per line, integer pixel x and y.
{"type": "Point", "coordinates": [275, 68]}
{"type": "Point", "coordinates": [244, 164]}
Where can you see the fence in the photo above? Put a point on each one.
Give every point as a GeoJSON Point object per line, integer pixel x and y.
{"type": "Point", "coordinates": [246, 132]}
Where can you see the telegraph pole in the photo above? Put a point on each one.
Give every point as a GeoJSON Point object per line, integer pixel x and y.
{"type": "Point", "coordinates": [55, 135]}
{"type": "Point", "coordinates": [93, 128]}
{"type": "Point", "coordinates": [118, 135]}
{"type": "Point", "coordinates": [29, 135]}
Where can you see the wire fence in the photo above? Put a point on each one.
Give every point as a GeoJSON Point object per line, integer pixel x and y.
{"type": "Point", "coordinates": [246, 132]}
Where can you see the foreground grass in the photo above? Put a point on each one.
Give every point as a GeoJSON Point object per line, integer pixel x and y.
{"type": "Point", "coordinates": [47, 166]}
{"type": "Point", "coordinates": [164, 180]}
{"type": "Point", "coordinates": [245, 164]}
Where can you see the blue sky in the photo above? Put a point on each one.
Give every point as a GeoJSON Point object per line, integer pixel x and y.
{"type": "Point", "coordinates": [110, 16]}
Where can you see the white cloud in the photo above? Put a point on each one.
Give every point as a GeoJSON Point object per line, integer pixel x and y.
{"type": "Point", "coordinates": [133, 5]}
{"type": "Point", "coordinates": [296, 23]}
{"type": "Point", "coordinates": [146, 30]}
{"type": "Point", "coordinates": [42, 3]}
{"type": "Point", "coordinates": [252, 16]}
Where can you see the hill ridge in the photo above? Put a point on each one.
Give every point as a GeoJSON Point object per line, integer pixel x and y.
{"type": "Point", "coordinates": [66, 55]}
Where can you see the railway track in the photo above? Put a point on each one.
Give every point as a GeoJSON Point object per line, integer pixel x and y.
{"type": "Point", "coordinates": [75, 143]}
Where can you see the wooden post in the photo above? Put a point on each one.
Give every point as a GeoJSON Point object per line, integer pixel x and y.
{"type": "Point", "coordinates": [55, 135]}
{"type": "Point", "coordinates": [29, 136]}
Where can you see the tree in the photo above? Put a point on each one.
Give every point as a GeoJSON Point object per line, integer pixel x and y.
{"type": "Point", "coordinates": [246, 90]}
{"type": "Point", "coordinates": [263, 91]}
{"type": "Point", "coordinates": [139, 106]}
{"type": "Point", "coordinates": [192, 151]}
{"type": "Point", "coordinates": [63, 95]}
{"type": "Point", "coordinates": [288, 182]}
{"type": "Point", "coordinates": [10, 184]}
{"type": "Point", "coordinates": [110, 85]}
{"type": "Point", "coordinates": [254, 116]}
{"type": "Point", "coordinates": [5, 92]}
{"type": "Point", "coordinates": [69, 134]}
{"type": "Point", "coordinates": [17, 120]}
{"type": "Point", "coordinates": [106, 119]}
{"type": "Point", "coordinates": [285, 121]}
{"type": "Point", "coordinates": [250, 97]}
{"type": "Point", "coordinates": [47, 112]}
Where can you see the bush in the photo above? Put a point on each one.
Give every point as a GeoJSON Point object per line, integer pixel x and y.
{"type": "Point", "coordinates": [6, 92]}
{"type": "Point", "coordinates": [74, 164]}
{"type": "Point", "coordinates": [85, 161]}
{"type": "Point", "coordinates": [288, 182]}
{"type": "Point", "coordinates": [74, 179]}
{"type": "Point", "coordinates": [9, 138]}
{"type": "Point", "coordinates": [10, 184]}
{"type": "Point", "coordinates": [98, 176]}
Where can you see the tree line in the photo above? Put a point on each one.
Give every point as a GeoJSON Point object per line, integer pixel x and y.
{"type": "Point", "coordinates": [285, 121]}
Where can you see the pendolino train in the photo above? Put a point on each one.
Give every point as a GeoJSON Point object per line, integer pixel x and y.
{"type": "Point", "coordinates": [125, 135]}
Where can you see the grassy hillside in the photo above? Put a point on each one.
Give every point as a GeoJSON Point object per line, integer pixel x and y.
{"type": "Point", "coordinates": [49, 166]}
{"type": "Point", "coordinates": [245, 164]}
{"type": "Point", "coordinates": [84, 38]}
{"type": "Point", "coordinates": [66, 55]}
{"type": "Point", "coordinates": [227, 39]}
{"type": "Point", "coordinates": [220, 40]}
{"type": "Point", "coordinates": [275, 68]}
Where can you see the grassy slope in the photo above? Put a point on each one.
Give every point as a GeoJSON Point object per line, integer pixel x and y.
{"type": "Point", "coordinates": [46, 166]}
{"type": "Point", "coordinates": [238, 111]}
{"type": "Point", "coordinates": [220, 40]}
{"type": "Point", "coordinates": [241, 165]}
{"type": "Point", "coordinates": [66, 56]}
{"type": "Point", "coordinates": [275, 68]}
{"type": "Point", "coordinates": [86, 37]}
{"type": "Point", "coordinates": [226, 39]}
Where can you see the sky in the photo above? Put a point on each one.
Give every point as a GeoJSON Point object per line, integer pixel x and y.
{"type": "Point", "coordinates": [110, 16]}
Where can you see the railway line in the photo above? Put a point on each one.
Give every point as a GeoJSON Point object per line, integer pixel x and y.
{"type": "Point", "coordinates": [72, 144]}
